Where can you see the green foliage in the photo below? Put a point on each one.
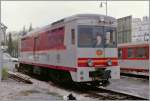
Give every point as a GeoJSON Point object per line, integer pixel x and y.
{"type": "Point", "coordinates": [15, 48]}
{"type": "Point", "coordinates": [4, 73]}
{"type": "Point", "coordinates": [30, 28]}
{"type": "Point", "coordinates": [12, 40]}
{"type": "Point", "coordinates": [10, 44]}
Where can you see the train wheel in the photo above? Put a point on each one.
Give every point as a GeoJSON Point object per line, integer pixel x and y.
{"type": "Point", "coordinates": [95, 84]}
{"type": "Point", "coordinates": [104, 83]}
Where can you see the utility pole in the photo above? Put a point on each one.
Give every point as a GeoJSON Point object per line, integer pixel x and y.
{"type": "Point", "coordinates": [101, 5]}
{"type": "Point", "coordinates": [1, 54]}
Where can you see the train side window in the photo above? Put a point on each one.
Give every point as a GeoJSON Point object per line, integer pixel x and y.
{"type": "Point", "coordinates": [72, 36]}
{"type": "Point", "coordinates": [141, 52]}
{"type": "Point", "coordinates": [119, 53]}
{"type": "Point", "coordinates": [130, 52]}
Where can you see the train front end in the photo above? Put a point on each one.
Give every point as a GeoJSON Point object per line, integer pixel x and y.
{"type": "Point", "coordinates": [97, 59]}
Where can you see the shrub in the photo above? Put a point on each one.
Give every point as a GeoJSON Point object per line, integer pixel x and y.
{"type": "Point", "coordinates": [4, 73]}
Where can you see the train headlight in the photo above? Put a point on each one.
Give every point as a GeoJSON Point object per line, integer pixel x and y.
{"type": "Point", "coordinates": [90, 62]}
{"type": "Point", "coordinates": [109, 62]}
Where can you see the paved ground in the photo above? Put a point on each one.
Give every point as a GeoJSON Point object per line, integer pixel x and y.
{"type": "Point", "coordinates": [42, 91]}
{"type": "Point", "coordinates": [38, 91]}
{"type": "Point", "coordinates": [131, 85]}
{"type": "Point", "coordinates": [11, 90]}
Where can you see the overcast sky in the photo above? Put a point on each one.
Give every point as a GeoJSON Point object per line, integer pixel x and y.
{"type": "Point", "coordinates": [16, 14]}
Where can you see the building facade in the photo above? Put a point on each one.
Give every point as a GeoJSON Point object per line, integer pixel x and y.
{"type": "Point", "coordinates": [133, 29]}
{"type": "Point", "coordinates": [124, 29]}
{"type": "Point", "coordinates": [141, 29]}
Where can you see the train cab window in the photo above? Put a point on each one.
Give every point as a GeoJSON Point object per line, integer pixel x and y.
{"type": "Point", "coordinates": [130, 52]}
{"type": "Point", "coordinates": [141, 52]}
{"type": "Point", "coordinates": [119, 53]}
{"type": "Point", "coordinates": [73, 36]}
{"type": "Point", "coordinates": [110, 37]}
{"type": "Point", "coordinates": [85, 36]}
{"type": "Point", "coordinates": [97, 37]}
{"type": "Point", "coordinates": [98, 40]}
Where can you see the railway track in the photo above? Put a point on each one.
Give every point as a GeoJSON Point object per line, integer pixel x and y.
{"type": "Point", "coordinates": [107, 94]}
{"type": "Point", "coordinates": [135, 76]}
{"type": "Point", "coordinates": [87, 90]}
{"type": "Point", "coordinates": [100, 92]}
{"type": "Point", "coordinates": [19, 77]}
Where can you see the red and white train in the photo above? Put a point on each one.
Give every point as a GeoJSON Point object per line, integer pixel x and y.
{"type": "Point", "coordinates": [82, 48]}
{"type": "Point", "coordinates": [134, 58]}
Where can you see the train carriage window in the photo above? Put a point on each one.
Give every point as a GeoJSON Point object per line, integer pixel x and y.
{"type": "Point", "coordinates": [130, 53]}
{"type": "Point", "coordinates": [56, 38]}
{"type": "Point", "coordinates": [119, 53]}
{"type": "Point", "coordinates": [73, 36]}
{"type": "Point", "coordinates": [141, 52]}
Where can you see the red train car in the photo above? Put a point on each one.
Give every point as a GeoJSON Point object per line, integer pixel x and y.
{"type": "Point", "coordinates": [134, 58]}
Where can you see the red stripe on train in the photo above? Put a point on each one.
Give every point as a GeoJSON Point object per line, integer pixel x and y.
{"type": "Point", "coordinates": [97, 62]}
{"type": "Point", "coordinates": [144, 58]}
{"type": "Point", "coordinates": [46, 49]}
{"type": "Point", "coordinates": [134, 46]}
{"type": "Point", "coordinates": [64, 68]}
{"type": "Point", "coordinates": [112, 58]}
{"type": "Point", "coordinates": [139, 69]}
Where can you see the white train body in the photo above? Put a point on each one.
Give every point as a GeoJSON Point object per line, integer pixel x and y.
{"type": "Point", "coordinates": [134, 57]}
{"type": "Point", "coordinates": [61, 46]}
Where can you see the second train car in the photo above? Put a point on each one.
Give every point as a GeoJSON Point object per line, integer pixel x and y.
{"type": "Point", "coordinates": [134, 58]}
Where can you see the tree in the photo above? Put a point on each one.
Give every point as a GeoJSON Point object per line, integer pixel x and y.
{"type": "Point", "coordinates": [30, 28]}
{"type": "Point", "coordinates": [15, 48]}
{"type": "Point", "coordinates": [10, 44]}
{"type": "Point", "coordinates": [24, 30]}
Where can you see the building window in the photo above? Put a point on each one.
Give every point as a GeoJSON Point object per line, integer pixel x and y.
{"type": "Point", "coordinates": [73, 36]}
{"type": "Point", "coordinates": [130, 52]}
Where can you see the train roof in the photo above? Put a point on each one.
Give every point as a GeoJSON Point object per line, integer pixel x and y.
{"type": "Point", "coordinates": [67, 19]}
{"type": "Point", "coordinates": [134, 43]}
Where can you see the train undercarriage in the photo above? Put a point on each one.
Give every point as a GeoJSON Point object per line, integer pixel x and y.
{"type": "Point", "coordinates": [61, 77]}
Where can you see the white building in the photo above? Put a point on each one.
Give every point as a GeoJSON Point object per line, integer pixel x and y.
{"type": "Point", "coordinates": [140, 29]}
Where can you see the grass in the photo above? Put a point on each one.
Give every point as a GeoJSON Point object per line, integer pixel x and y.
{"type": "Point", "coordinates": [4, 73]}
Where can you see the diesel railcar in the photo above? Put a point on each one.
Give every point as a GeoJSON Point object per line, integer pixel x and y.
{"type": "Point", "coordinates": [81, 48]}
